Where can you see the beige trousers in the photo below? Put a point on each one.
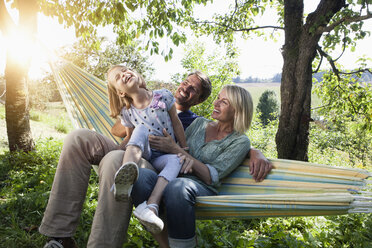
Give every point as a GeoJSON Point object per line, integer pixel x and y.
{"type": "Point", "coordinates": [81, 149]}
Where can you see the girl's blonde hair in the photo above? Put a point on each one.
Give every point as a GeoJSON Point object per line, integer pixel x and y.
{"type": "Point", "coordinates": [116, 102]}
{"type": "Point", "coordinates": [241, 100]}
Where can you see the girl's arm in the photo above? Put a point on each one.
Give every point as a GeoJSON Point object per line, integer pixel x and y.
{"type": "Point", "coordinates": [118, 129]}
{"type": "Point", "coordinates": [177, 127]}
{"type": "Point", "coordinates": [129, 131]}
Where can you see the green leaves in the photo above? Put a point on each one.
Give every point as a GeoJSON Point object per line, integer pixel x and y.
{"type": "Point", "coordinates": [346, 98]}
{"type": "Point", "coordinates": [268, 107]}
{"type": "Point", "coordinates": [220, 66]}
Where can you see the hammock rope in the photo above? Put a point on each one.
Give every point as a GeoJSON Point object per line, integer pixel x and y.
{"type": "Point", "coordinates": [293, 188]}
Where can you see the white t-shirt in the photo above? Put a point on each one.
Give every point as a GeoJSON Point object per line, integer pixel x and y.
{"type": "Point", "coordinates": [155, 116]}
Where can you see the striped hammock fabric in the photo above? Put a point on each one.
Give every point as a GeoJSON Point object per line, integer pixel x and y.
{"type": "Point", "coordinates": [293, 188]}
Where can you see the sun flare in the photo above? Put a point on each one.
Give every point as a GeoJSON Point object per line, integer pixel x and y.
{"type": "Point", "coordinates": [39, 48]}
{"type": "Point", "coordinates": [23, 49]}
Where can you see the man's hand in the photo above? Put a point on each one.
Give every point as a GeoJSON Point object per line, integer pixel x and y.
{"type": "Point", "coordinates": [164, 143]}
{"type": "Point", "coordinates": [259, 166]}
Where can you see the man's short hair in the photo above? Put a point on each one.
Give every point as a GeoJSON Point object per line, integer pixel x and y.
{"type": "Point", "coordinates": [206, 85]}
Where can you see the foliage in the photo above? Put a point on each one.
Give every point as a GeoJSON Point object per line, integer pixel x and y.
{"type": "Point", "coordinates": [218, 67]}
{"type": "Point", "coordinates": [131, 19]}
{"type": "Point", "coordinates": [43, 91]}
{"type": "Point", "coordinates": [25, 182]}
{"type": "Point", "coordinates": [348, 113]}
{"type": "Point", "coordinates": [346, 98]}
{"type": "Point", "coordinates": [97, 62]}
{"type": "Point", "coordinates": [267, 107]}
{"type": "Point", "coordinates": [262, 137]}
{"type": "Point", "coordinates": [340, 136]}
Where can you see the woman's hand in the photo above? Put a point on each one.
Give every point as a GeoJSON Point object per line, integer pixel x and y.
{"type": "Point", "coordinates": [259, 166]}
{"type": "Point", "coordinates": [187, 163]}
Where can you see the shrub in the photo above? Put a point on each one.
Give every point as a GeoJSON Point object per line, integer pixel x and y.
{"type": "Point", "coordinates": [267, 107]}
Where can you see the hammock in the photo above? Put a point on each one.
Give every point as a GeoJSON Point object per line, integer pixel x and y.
{"type": "Point", "coordinates": [293, 188]}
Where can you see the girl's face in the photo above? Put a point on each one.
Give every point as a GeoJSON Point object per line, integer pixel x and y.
{"type": "Point", "coordinates": [223, 111]}
{"type": "Point", "coordinates": [124, 80]}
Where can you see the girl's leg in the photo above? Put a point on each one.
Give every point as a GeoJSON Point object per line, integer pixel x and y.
{"type": "Point", "coordinates": [132, 154]}
{"type": "Point", "coordinates": [156, 194]}
{"type": "Point", "coordinates": [169, 165]}
{"type": "Point", "coordinates": [128, 172]}
{"type": "Point", "coordinates": [142, 190]}
{"type": "Point", "coordinates": [147, 212]}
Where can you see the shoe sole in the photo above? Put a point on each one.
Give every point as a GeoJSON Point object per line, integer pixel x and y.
{"type": "Point", "coordinates": [151, 227]}
{"type": "Point", "coordinates": [124, 179]}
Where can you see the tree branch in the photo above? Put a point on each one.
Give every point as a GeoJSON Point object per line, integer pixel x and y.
{"type": "Point", "coordinates": [238, 30]}
{"type": "Point", "coordinates": [329, 28]}
{"type": "Point", "coordinates": [337, 73]}
{"type": "Point", "coordinates": [330, 60]}
{"type": "Point", "coordinates": [6, 22]}
{"type": "Point", "coordinates": [357, 71]}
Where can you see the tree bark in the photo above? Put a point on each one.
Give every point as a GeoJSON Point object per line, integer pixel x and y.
{"type": "Point", "coordinates": [299, 51]}
{"type": "Point", "coordinates": [16, 76]}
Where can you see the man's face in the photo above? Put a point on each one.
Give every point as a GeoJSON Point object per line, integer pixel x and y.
{"type": "Point", "coordinates": [189, 91]}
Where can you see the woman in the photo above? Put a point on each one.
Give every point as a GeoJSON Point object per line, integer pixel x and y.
{"type": "Point", "coordinates": [216, 149]}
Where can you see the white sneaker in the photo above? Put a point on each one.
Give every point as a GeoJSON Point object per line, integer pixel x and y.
{"type": "Point", "coordinates": [124, 179]}
{"type": "Point", "coordinates": [148, 218]}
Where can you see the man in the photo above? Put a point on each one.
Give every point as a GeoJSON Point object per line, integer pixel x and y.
{"type": "Point", "coordinates": [85, 147]}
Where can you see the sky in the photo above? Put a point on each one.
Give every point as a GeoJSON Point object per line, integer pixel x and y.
{"type": "Point", "coordinates": [258, 57]}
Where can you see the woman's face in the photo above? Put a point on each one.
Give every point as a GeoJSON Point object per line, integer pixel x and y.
{"type": "Point", "coordinates": [123, 80]}
{"type": "Point", "coordinates": [223, 111]}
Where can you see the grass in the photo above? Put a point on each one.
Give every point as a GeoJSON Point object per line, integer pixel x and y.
{"type": "Point", "coordinates": [51, 122]}
{"type": "Point", "coordinates": [55, 116]}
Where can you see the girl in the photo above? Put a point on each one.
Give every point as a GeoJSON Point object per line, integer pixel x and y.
{"type": "Point", "coordinates": [142, 113]}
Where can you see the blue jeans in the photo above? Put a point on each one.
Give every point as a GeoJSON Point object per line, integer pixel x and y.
{"type": "Point", "coordinates": [179, 199]}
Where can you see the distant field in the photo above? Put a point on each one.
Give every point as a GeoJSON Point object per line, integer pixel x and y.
{"type": "Point", "coordinates": [256, 90]}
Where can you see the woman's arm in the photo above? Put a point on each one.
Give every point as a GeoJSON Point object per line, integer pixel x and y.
{"type": "Point", "coordinates": [192, 165]}
{"type": "Point", "coordinates": [129, 131]}
{"type": "Point", "coordinates": [259, 166]}
{"type": "Point", "coordinates": [177, 127]}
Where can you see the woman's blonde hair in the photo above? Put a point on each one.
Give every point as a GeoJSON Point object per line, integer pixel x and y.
{"type": "Point", "coordinates": [116, 102]}
{"type": "Point", "coordinates": [241, 100]}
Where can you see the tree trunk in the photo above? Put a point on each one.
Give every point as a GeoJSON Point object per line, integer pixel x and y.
{"type": "Point", "coordinates": [299, 51]}
{"type": "Point", "coordinates": [16, 71]}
